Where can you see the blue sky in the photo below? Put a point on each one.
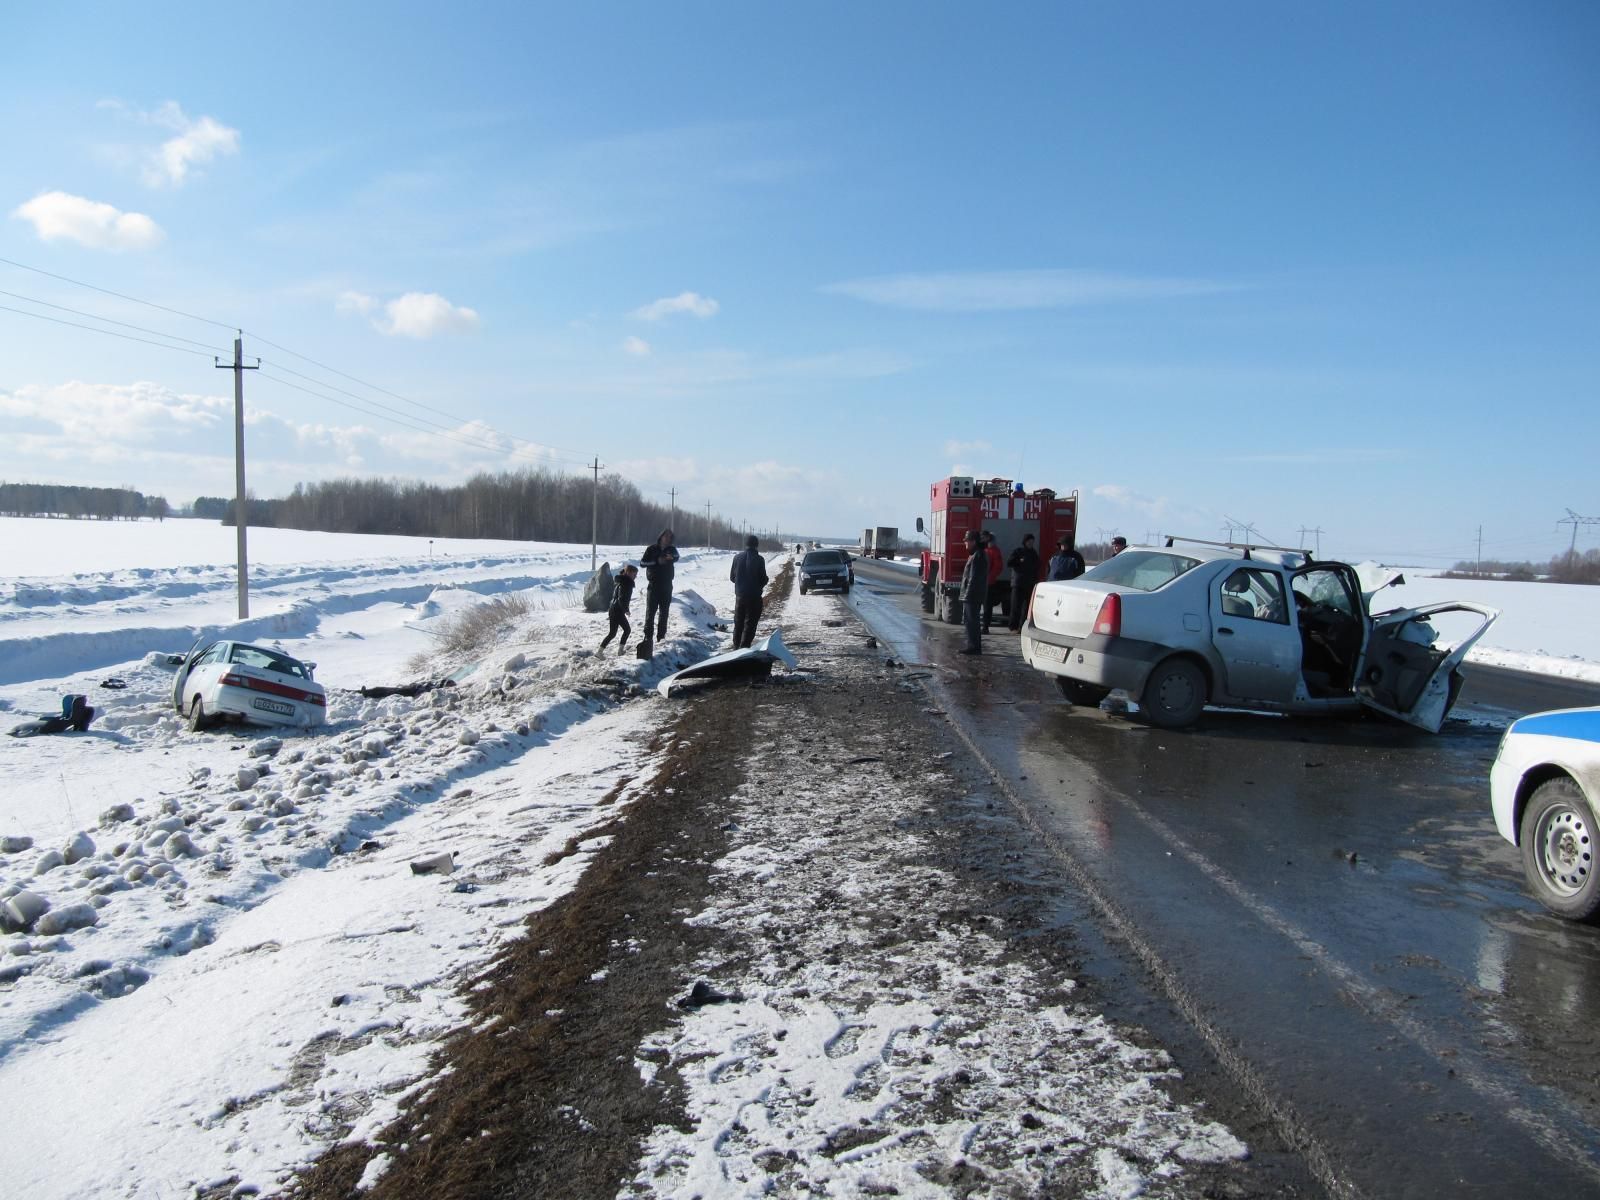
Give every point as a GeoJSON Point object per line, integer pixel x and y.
{"type": "Point", "coordinates": [1295, 265]}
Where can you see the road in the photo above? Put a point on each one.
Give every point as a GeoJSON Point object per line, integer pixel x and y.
{"type": "Point", "coordinates": [1322, 907]}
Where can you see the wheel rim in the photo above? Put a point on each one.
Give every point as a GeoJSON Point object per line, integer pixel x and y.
{"type": "Point", "coordinates": [1565, 852]}
{"type": "Point", "coordinates": [1175, 692]}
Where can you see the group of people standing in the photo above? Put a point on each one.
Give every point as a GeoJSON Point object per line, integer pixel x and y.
{"type": "Point", "coordinates": [748, 575]}
{"type": "Point", "coordinates": [660, 560]}
{"type": "Point", "coordinates": [980, 586]}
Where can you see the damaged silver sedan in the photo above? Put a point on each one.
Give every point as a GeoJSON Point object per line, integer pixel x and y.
{"type": "Point", "coordinates": [1192, 623]}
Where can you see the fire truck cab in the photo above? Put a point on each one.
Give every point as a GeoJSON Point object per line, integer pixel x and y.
{"type": "Point", "coordinates": [999, 506]}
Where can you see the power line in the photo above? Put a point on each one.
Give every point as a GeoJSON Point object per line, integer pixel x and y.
{"type": "Point", "coordinates": [398, 416]}
{"type": "Point", "coordinates": [211, 352]}
{"type": "Point", "coordinates": [385, 391]}
{"type": "Point", "coordinates": [404, 421]}
{"type": "Point", "coordinates": [107, 320]}
{"type": "Point", "coordinates": [177, 312]}
{"type": "Point", "coordinates": [108, 332]}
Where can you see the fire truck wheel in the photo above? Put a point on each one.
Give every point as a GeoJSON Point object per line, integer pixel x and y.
{"type": "Point", "coordinates": [1085, 694]}
{"type": "Point", "coordinates": [952, 609]}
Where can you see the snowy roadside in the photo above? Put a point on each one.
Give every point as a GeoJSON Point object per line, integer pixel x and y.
{"type": "Point", "coordinates": [237, 965]}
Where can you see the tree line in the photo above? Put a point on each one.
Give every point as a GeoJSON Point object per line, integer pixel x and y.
{"type": "Point", "coordinates": [534, 505]}
{"type": "Point", "coordinates": [65, 500]}
{"type": "Point", "coordinates": [1575, 567]}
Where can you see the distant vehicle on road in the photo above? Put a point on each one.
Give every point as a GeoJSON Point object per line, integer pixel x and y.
{"type": "Point", "coordinates": [880, 541]}
{"type": "Point", "coordinates": [238, 681]}
{"type": "Point", "coordinates": [1544, 788]}
{"type": "Point", "coordinates": [1267, 628]}
{"type": "Point", "coordinates": [826, 569]}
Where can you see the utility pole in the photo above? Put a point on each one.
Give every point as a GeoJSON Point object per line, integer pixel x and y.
{"type": "Point", "coordinates": [674, 494]}
{"type": "Point", "coordinates": [708, 524]}
{"type": "Point", "coordinates": [241, 513]}
{"type": "Point", "coordinates": [1575, 520]}
{"type": "Point", "coordinates": [1477, 566]}
{"type": "Point", "coordinates": [594, 518]}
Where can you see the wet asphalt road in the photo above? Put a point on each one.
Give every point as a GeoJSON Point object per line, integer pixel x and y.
{"type": "Point", "coordinates": [1324, 904]}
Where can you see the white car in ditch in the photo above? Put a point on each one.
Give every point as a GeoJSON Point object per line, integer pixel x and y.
{"type": "Point", "coordinates": [1544, 788]}
{"type": "Point", "coordinates": [239, 681]}
{"type": "Point", "coordinates": [1192, 623]}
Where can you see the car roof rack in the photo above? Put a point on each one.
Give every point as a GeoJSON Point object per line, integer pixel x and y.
{"type": "Point", "coordinates": [1244, 547]}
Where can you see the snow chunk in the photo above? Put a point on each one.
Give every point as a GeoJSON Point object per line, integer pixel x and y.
{"type": "Point", "coordinates": [64, 920]}
{"type": "Point", "coordinates": [21, 911]}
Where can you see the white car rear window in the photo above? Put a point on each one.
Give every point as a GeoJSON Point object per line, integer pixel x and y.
{"type": "Point", "coordinates": [1142, 570]}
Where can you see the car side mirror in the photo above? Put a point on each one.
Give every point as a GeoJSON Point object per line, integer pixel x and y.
{"type": "Point", "coordinates": [919, 524]}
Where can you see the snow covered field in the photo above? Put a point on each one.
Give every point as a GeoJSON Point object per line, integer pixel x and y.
{"type": "Point", "coordinates": [238, 961]}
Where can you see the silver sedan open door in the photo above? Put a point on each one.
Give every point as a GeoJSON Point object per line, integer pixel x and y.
{"type": "Point", "coordinates": [1409, 670]}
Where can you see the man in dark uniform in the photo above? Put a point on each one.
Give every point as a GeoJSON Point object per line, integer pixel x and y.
{"type": "Point", "coordinates": [749, 577]}
{"type": "Point", "coordinates": [1024, 564]}
{"type": "Point", "coordinates": [974, 592]}
{"type": "Point", "coordinates": [659, 559]}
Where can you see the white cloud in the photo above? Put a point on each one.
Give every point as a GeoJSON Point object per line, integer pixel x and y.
{"type": "Point", "coordinates": [1002, 291]}
{"type": "Point", "coordinates": [422, 315]}
{"type": "Point", "coordinates": [197, 141]}
{"type": "Point", "coordinates": [58, 215]}
{"type": "Point", "coordinates": [636, 346]}
{"type": "Point", "coordinates": [684, 302]}
{"type": "Point", "coordinates": [138, 413]}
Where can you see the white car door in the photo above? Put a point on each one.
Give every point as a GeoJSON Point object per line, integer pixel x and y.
{"type": "Point", "coordinates": [1407, 669]}
{"type": "Point", "coordinates": [1259, 648]}
{"type": "Point", "coordinates": [183, 673]}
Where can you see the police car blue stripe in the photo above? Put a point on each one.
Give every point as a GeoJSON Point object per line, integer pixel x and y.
{"type": "Point", "coordinates": [1582, 724]}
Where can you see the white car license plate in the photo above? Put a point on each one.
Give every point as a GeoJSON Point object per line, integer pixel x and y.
{"type": "Point", "coordinates": [273, 706]}
{"type": "Point", "coordinates": [1046, 650]}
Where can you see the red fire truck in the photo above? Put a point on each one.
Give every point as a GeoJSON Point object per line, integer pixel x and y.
{"type": "Point", "coordinates": [1000, 506]}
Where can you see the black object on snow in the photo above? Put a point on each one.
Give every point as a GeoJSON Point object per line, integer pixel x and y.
{"type": "Point", "coordinates": [115, 683]}
{"type": "Point", "coordinates": [75, 715]}
{"type": "Point", "coordinates": [409, 689]}
{"type": "Point", "coordinates": [702, 994]}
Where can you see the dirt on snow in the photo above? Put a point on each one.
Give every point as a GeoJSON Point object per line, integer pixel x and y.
{"type": "Point", "coordinates": [814, 956]}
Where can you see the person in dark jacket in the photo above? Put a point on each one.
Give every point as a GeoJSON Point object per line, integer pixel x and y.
{"type": "Point", "coordinates": [1067, 562]}
{"type": "Point", "coordinates": [749, 576]}
{"type": "Point", "coordinates": [621, 601]}
{"type": "Point", "coordinates": [660, 562]}
{"type": "Point", "coordinates": [1024, 564]}
{"type": "Point", "coordinates": [974, 593]}
{"type": "Point", "coordinates": [997, 568]}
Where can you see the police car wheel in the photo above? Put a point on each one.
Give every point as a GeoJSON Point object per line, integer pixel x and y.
{"type": "Point", "coordinates": [1559, 838]}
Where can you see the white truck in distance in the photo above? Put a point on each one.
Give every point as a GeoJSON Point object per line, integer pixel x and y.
{"type": "Point", "coordinates": [881, 541]}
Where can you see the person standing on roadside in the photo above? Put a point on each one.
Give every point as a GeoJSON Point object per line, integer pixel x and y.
{"type": "Point", "coordinates": [974, 592]}
{"type": "Point", "coordinates": [749, 577]}
{"type": "Point", "coordinates": [1118, 545]}
{"type": "Point", "coordinates": [1024, 564]}
{"type": "Point", "coordinates": [621, 601]}
{"type": "Point", "coordinates": [997, 568]}
{"type": "Point", "coordinates": [1067, 563]}
{"type": "Point", "coordinates": [660, 563]}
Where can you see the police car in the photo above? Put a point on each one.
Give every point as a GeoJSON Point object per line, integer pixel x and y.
{"type": "Point", "coordinates": [1545, 790]}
